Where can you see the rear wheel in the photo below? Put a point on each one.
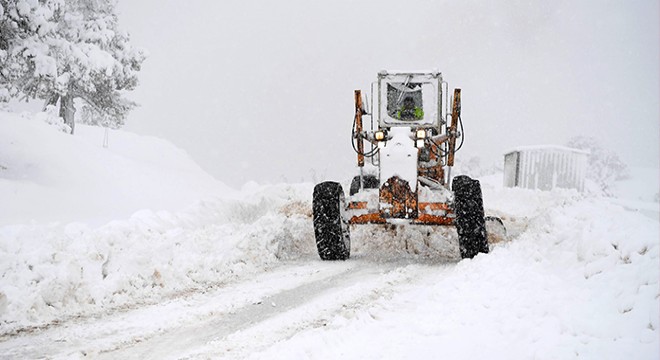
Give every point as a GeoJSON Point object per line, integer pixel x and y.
{"type": "Point", "coordinates": [369, 181]}
{"type": "Point", "coordinates": [330, 227]}
{"type": "Point", "coordinates": [470, 222]}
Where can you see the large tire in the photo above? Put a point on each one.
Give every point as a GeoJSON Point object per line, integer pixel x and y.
{"type": "Point", "coordinates": [470, 222]}
{"type": "Point", "coordinates": [330, 227]}
{"type": "Point", "coordinates": [370, 182]}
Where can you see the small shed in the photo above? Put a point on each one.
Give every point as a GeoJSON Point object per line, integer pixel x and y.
{"type": "Point", "coordinates": [545, 167]}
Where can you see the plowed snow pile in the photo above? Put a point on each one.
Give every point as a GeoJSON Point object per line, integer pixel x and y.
{"type": "Point", "coordinates": [581, 281]}
{"type": "Point", "coordinates": [140, 223]}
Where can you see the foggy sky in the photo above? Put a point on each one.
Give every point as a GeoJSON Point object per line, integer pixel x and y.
{"type": "Point", "coordinates": [257, 90]}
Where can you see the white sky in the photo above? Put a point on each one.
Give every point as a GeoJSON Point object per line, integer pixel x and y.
{"type": "Point", "coordinates": [260, 90]}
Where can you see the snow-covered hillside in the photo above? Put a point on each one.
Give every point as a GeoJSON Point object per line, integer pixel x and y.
{"type": "Point", "coordinates": [132, 251]}
{"type": "Point", "coordinates": [46, 175]}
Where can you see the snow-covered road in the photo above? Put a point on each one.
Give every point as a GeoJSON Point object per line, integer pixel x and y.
{"type": "Point", "coordinates": [234, 319]}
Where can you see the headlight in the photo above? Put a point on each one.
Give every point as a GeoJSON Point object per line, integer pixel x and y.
{"type": "Point", "coordinates": [419, 143]}
{"type": "Point", "coordinates": [421, 134]}
{"type": "Point", "coordinates": [379, 135]}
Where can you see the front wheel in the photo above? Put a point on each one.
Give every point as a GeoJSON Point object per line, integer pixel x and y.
{"type": "Point", "coordinates": [330, 227]}
{"type": "Point", "coordinates": [470, 222]}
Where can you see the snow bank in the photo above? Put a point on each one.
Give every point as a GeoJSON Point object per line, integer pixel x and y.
{"type": "Point", "coordinates": [640, 192]}
{"type": "Point", "coordinates": [52, 272]}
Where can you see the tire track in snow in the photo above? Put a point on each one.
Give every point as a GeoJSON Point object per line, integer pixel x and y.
{"type": "Point", "coordinates": [95, 335]}
{"type": "Point", "coordinates": [282, 315]}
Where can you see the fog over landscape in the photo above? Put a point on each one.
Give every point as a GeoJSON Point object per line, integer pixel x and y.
{"type": "Point", "coordinates": [204, 228]}
{"type": "Point", "coordinates": [264, 91]}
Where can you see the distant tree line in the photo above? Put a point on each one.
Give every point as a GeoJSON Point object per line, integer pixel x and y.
{"type": "Point", "coordinates": [604, 165]}
{"type": "Point", "coordinates": [63, 50]}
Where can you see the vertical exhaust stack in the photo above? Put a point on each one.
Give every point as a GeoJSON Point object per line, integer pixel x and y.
{"type": "Point", "coordinates": [358, 128]}
{"type": "Point", "coordinates": [455, 115]}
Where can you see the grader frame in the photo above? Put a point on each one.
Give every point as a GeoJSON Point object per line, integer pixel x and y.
{"type": "Point", "coordinates": [413, 145]}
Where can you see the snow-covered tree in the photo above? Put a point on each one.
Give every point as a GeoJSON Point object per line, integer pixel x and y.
{"type": "Point", "coordinates": [604, 165]}
{"type": "Point", "coordinates": [63, 50]}
{"type": "Point", "coordinates": [23, 56]}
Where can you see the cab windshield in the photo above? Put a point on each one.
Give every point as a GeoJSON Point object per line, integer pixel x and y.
{"type": "Point", "coordinates": [404, 101]}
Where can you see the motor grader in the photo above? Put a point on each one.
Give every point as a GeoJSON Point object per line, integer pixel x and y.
{"type": "Point", "coordinates": [411, 142]}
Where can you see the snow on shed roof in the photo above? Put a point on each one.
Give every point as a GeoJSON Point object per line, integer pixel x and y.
{"type": "Point", "coordinates": [546, 147]}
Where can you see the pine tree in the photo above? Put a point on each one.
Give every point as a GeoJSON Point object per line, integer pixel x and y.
{"type": "Point", "coordinates": [63, 50]}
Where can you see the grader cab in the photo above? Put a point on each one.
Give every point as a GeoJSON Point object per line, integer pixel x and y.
{"type": "Point", "coordinates": [411, 143]}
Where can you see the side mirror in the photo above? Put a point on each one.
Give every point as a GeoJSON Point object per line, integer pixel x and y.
{"type": "Point", "coordinates": [365, 104]}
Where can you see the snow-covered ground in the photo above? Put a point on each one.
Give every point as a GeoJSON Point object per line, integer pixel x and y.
{"type": "Point", "coordinates": [132, 251]}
